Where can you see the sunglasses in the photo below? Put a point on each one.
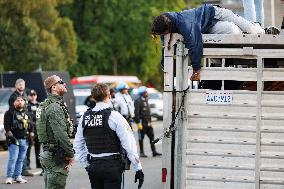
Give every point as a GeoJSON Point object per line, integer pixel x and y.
{"type": "Point", "coordinates": [59, 82]}
{"type": "Point", "coordinates": [32, 94]}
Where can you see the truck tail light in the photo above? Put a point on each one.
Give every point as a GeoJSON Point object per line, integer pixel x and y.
{"type": "Point", "coordinates": [164, 174]}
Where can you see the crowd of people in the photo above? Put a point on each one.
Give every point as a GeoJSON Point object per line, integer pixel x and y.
{"type": "Point", "coordinates": [104, 135]}
{"type": "Point", "coordinates": [104, 143]}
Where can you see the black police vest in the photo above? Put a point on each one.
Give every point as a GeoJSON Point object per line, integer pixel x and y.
{"type": "Point", "coordinates": [99, 137]}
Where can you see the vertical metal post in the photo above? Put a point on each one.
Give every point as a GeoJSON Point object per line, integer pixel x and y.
{"type": "Point", "coordinates": [258, 121]}
{"type": "Point", "coordinates": [272, 13]}
{"type": "Point", "coordinates": [168, 106]}
{"type": "Point", "coordinates": [173, 117]}
{"type": "Point", "coordinates": [181, 84]}
{"type": "Point", "coordinates": [223, 82]}
{"type": "Point", "coordinates": [2, 82]}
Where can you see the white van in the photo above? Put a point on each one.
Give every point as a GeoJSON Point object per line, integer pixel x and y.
{"type": "Point", "coordinates": [5, 94]}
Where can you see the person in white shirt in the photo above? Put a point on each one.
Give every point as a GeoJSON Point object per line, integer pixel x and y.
{"type": "Point", "coordinates": [101, 136]}
{"type": "Point", "coordinates": [124, 103]}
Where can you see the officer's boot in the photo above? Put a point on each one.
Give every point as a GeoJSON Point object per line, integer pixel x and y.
{"type": "Point", "coordinates": [141, 149]}
{"type": "Point", "coordinates": [153, 148]}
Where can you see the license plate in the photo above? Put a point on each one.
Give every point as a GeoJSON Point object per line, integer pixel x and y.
{"type": "Point", "coordinates": [219, 97]}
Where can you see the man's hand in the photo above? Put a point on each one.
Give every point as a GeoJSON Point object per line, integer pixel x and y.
{"type": "Point", "coordinates": [11, 139]}
{"type": "Point", "coordinates": [139, 175]}
{"type": "Point", "coordinates": [70, 163]}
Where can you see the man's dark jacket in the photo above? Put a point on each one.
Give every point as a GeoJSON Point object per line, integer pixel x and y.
{"type": "Point", "coordinates": [191, 24]}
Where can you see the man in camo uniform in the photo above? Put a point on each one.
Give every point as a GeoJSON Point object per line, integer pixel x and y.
{"type": "Point", "coordinates": [53, 126]}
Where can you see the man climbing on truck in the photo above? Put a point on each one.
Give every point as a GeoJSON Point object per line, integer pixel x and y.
{"type": "Point", "coordinates": [207, 19]}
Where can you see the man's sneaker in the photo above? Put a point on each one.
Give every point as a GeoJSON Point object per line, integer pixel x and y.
{"type": "Point", "coordinates": [272, 30]}
{"type": "Point", "coordinates": [21, 180]}
{"type": "Point", "coordinates": [9, 180]}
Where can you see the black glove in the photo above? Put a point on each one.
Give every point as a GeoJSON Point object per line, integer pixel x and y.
{"type": "Point", "coordinates": [139, 175]}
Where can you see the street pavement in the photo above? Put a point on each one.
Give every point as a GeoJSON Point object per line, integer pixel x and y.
{"type": "Point", "coordinates": [78, 178]}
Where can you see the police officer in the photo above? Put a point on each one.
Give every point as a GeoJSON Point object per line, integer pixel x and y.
{"type": "Point", "coordinates": [16, 123]}
{"type": "Point", "coordinates": [53, 127]}
{"type": "Point", "coordinates": [123, 102]}
{"type": "Point", "coordinates": [101, 135]}
{"type": "Point", "coordinates": [143, 120]}
{"type": "Point", "coordinates": [32, 139]}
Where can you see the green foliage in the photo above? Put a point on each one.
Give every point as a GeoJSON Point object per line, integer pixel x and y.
{"type": "Point", "coordinates": [114, 36]}
{"type": "Point", "coordinates": [33, 33]}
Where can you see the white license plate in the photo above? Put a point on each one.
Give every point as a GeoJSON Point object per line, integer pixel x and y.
{"type": "Point", "coordinates": [219, 97]}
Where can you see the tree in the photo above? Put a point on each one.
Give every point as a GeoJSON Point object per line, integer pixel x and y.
{"type": "Point", "coordinates": [114, 36]}
{"type": "Point", "coordinates": [33, 34]}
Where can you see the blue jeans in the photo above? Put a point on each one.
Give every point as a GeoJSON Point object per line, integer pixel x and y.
{"type": "Point", "coordinates": [254, 11]}
{"type": "Point", "coordinates": [17, 155]}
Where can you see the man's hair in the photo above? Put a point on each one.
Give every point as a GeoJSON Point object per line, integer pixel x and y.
{"type": "Point", "coordinates": [100, 92]}
{"type": "Point", "coordinates": [49, 82]}
{"type": "Point", "coordinates": [160, 24]}
{"type": "Point", "coordinates": [20, 80]}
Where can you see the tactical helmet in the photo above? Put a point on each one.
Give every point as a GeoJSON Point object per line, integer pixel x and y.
{"type": "Point", "coordinates": [122, 86]}
{"type": "Point", "coordinates": [142, 90]}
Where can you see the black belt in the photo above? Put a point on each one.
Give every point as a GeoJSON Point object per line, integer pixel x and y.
{"type": "Point", "coordinates": [111, 157]}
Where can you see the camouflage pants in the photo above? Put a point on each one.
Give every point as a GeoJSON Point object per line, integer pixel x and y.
{"type": "Point", "coordinates": [54, 175]}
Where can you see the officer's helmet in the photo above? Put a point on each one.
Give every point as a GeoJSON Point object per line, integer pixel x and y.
{"type": "Point", "coordinates": [122, 86]}
{"type": "Point", "coordinates": [142, 90]}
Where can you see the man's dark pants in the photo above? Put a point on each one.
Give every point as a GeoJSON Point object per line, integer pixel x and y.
{"type": "Point", "coordinates": [148, 130]}
{"type": "Point", "coordinates": [105, 174]}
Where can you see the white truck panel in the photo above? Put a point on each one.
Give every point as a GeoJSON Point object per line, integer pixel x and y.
{"type": "Point", "coordinates": [234, 145]}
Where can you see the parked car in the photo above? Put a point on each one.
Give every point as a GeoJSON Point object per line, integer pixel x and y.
{"type": "Point", "coordinates": [155, 101]}
{"type": "Point", "coordinates": [80, 96]}
{"type": "Point", "coordinates": [4, 106]}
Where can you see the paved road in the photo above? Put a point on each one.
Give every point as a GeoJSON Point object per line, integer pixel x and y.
{"type": "Point", "coordinates": [78, 178]}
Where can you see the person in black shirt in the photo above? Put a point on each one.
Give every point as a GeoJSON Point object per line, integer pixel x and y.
{"type": "Point", "coordinates": [143, 121]}
{"type": "Point", "coordinates": [16, 124]}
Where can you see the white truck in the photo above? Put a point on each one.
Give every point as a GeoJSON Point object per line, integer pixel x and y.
{"type": "Point", "coordinates": [229, 130]}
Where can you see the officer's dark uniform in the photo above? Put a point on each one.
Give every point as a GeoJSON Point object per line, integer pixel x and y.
{"type": "Point", "coordinates": [143, 114]}
{"type": "Point", "coordinates": [101, 139]}
{"type": "Point", "coordinates": [32, 111]}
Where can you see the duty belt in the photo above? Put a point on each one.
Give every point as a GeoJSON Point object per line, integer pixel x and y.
{"type": "Point", "coordinates": [92, 159]}
{"type": "Point", "coordinates": [49, 147]}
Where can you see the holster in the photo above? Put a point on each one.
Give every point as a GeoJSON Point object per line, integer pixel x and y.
{"type": "Point", "coordinates": [59, 156]}
{"type": "Point", "coordinates": [125, 162]}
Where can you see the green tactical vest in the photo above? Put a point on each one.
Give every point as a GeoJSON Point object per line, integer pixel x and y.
{"type": "Point", "coordinates": [41, 121]}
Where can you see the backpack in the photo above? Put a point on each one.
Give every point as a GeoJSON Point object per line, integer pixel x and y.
{"type": "Point", "coordinates": [41, 121]}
